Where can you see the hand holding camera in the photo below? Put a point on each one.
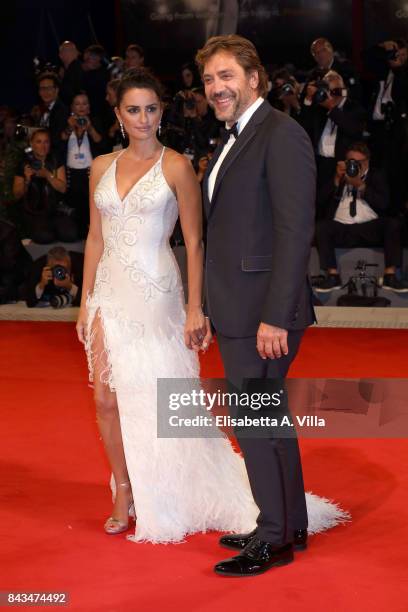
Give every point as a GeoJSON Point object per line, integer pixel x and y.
{"type": "Point", "coordinates": [58, 275]}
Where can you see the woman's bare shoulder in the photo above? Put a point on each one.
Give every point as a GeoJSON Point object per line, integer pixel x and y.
{"type": "Point", "coordinates": [101, 163]}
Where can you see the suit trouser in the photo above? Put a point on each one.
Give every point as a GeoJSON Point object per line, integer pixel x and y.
{"type": "Point", "coordinates": [273, 464]}
{"type": "Point", "coordinates": [382, 231]}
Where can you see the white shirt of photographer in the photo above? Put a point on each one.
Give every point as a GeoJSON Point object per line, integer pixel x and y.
{"type": "Point", "coordinates": [327, 143]}
{"type": "Point", "coordinates": [79, 157]}
{"type": "Point", "coordinates": [384, 96]}
{"type": "Point", "coordinates": [242, 121]}
{"type": "Point", "coordinates": [364, 212]}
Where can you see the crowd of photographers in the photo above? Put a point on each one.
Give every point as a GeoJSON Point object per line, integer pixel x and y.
{"type": "Point", "coordinates": [357, 124]}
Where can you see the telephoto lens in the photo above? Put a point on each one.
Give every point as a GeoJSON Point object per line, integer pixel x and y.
{"type": "Point", "coordinates": [61, 300]}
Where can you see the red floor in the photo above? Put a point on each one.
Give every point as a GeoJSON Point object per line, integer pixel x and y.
{"type": "Point", "coordinates": [55, 497]}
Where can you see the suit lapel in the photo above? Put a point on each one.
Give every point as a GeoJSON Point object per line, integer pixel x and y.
{"type": "Point", "coordinates": [244, 138]}
{"type": "Point", "coordinates": [207, 173]}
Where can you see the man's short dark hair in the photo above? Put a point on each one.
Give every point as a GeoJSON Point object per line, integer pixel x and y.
{"type": "Point", "coordinates": [96, 50]}
{"type": "Point", "coordinates": [361, 147]}
{"type": "Point", "coordinates": [51, 76]}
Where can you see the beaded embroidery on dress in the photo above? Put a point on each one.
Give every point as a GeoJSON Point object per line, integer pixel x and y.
{"type": "Point", "coordinates": [180, 486]}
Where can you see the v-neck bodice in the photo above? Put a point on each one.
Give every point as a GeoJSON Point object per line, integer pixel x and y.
{"type": "Point", "coordinates": [137, 229]}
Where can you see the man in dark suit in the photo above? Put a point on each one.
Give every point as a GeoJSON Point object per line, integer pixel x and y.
{"type": "Point", "coordinates": [43, 282]}
{"type": "Point", "coordinates": [259, 193]}
{"type": "Point", "coordinates": [356, 204]}
{"type": "Point", "coordinates": [332, 124]}
{"type": "Point", "coordinates": [324, 55]}
{"type": "Point", "coordinates": [52, 113]}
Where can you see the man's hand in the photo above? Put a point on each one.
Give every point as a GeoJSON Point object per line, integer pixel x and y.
{"type": "Point", "coordinates": [310, 90]}
{"type": "Point", "coordinates": [46, 277]}
{"type": "Point", "coordinates": [28, 173]}
{"type": "Point", "coordinates": [340, 172]}
{"type": "Point", "coordinates": [271, 341]}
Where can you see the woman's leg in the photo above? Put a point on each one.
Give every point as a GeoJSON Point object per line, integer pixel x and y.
{"type": "Point", "coordinates": [107, 417]}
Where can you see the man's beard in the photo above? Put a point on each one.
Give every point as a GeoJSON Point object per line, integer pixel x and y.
{"type": "Point", "coordinates": [238, 106]}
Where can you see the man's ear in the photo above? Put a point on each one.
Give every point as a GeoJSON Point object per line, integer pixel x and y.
{"type": "Point", "coordinates": [254, 79]}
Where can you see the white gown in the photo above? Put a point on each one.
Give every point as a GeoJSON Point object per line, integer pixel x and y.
{"type": "Point", "coordinates": [180, 486]}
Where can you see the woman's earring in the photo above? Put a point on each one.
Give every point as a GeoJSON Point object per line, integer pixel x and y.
{"type": "Point", "coordinates": [122, 129]}
{"type": "Point", "coordinates": [159, 130]}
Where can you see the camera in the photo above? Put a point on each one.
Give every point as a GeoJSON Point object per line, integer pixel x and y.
{"type": "Point", "coordinates": [61, 300]}
{"type": "Point", "coordinates": [353, 168]}
{"type": "Point", "coordinates": [34, 163]}
{"type": "Point", "coordinates": [391, 54]}
{"type": "Point", "coordinates": [387, 109]}
{"type": "Point", "coordinates": [212, 144]}
{"type": "Point", "coordinates": [81, 121]}
{"type": "Point", "coordinates": [323, 92]}
{"type": "Point", "coordinates": [59, 272]}
{"type": "Point", "coordinates": [189, 103]}
{"type": "Point", "coordinates": [286, 89]}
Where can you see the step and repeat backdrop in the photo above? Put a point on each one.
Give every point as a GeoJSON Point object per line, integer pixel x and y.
{"type": "Point", "coordinates": [169, 29]}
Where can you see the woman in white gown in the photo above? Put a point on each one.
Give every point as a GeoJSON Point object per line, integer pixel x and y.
{"type": "Point", "coordinates": [136, 329]}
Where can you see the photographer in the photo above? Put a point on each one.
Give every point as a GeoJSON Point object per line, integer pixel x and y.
{"type": "Point", "coordinates": [332, 120]}
{"type": "Point", "coordinates": [115, 139]}
{"type": "Point", "coordinates": [95, 76]}
{"type": "Point", "coordinates": [196, 122]}
{"type": "Point", "coordinates": [356, 204]}
{"type": "Point", "coordinates": [55, 279]}
{"type": "Point", "coordinates": [40, 181]}
{"type": "Point", "coordinates": [51, 113]}
{"type": "Point", "coordinates": [134, 57]}
{"type": "Point", "coordinates": [71, 72]}
{"type": "Point", "coordinates": [83, 142]}
{"type": "Point", "coordinates": [324, 55]}
{"type": "Point", "coordinates": [388, 108]}
{"type": "Point", "coordinates": [285, 93]}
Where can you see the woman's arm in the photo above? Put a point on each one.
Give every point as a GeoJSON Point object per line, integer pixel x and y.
{"type": "Point", "coordinates": [19, 187]}
{"type": "Point", "coordinates": [190, 209]}
{"type": "Point", "coordinates": [57, 178]}
{"type": "Point", "coordinates": [93, 247]}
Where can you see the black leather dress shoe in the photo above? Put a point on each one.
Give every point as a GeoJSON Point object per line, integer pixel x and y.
{"type": "Point", "coordinates": [238, 541]}
{"type": "Point", "coordinates": [256, 558]}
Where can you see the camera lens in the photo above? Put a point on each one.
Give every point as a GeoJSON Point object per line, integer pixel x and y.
{"type": "Point", "coordinates": [59, 272]}
{"type": "Point", "coordinates": [353, 168]}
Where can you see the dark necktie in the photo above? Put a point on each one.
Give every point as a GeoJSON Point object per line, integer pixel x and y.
{"type": "Point", "coordinates": [225, 133]}
{"type": "Point", "coordinates": [353, 203]}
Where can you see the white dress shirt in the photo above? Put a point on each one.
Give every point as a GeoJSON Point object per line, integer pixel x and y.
{"type": "Point", "coordinates": [241, 123]}
{"type": "Point", "coordinates": [364, 212]}
{"type": "Point", "coordinates": [384, 96]}
{"type": "Point", "coordinates": [327, 142]}
{"type": "Point", "coordinates": [79, 156]}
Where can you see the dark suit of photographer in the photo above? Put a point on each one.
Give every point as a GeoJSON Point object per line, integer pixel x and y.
{"type": "Point", "coordinates": [42, 283]}
{"type": "Point", "coordinates": [332, 124]}
{"type": "Point", "coordinates": [355, 205]}
{"type": "Point", "coordinates": [388, 108]}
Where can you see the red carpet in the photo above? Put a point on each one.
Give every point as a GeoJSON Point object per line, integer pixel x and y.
{"type": "Point", "coordinates": [55, 496]}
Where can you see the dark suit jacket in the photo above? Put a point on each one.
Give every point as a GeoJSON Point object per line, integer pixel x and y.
{"type": "Point", "coordinates": [377, 63]}
{"type": "Point", "coordinates": [260, 227]}
{"type": "Point", "coordinates": [376, 194]}
{"type": "Point", "coordinates": [77, 262]}
{"type": "Point", "coordinates": [349, 120]}
{"type": "Point", "coordinates": [58, 119]}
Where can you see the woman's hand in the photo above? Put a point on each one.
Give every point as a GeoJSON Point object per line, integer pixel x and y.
{"type": "Point", "coordinates": [81, 324]}
{"type": "Point", "coordinates": [195, 329]}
